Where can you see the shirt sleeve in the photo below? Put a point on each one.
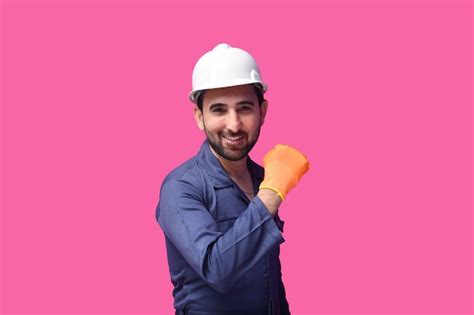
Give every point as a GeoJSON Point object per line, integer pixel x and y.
{"type": "Point", "coordinates": [284, 307]}
{"type": "Point", "coordinates": [219, 258]}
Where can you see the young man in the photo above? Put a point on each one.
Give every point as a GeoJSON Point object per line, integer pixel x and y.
{"type": "Point", "coordinates": [219, 210]}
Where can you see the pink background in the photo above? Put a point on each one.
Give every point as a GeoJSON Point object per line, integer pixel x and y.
{"type": "Point", "coordinates": [95, 114]}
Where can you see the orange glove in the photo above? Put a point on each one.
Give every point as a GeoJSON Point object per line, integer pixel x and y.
{"type": "Point", "coordinates": [284, 167]}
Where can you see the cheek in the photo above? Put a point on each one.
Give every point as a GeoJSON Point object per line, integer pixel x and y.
{"type": "Point", "coordinates": [214, 125]}
{"type": "Point", "coordinates": [253, 123]}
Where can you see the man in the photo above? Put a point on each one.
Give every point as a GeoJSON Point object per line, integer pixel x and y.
{"type": "Point", "coordinates": [219, 218]}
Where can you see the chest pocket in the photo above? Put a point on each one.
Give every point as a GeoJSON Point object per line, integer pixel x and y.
{"type": "Point", "coordinates": [229, 205]}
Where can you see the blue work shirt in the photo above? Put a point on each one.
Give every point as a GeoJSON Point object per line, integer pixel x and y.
{"type": "Point", "coordinates": [223, 249]}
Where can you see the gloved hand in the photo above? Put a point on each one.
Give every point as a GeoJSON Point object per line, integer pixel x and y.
{"type": "Point", "coordinates": [284, 167]}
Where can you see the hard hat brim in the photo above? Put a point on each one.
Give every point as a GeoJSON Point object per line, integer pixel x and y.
{"type": "Point", "coordinates": [193, 95]}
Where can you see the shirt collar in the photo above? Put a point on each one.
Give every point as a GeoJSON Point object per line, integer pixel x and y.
{"type": "Point", "coordinates": [217, 173]}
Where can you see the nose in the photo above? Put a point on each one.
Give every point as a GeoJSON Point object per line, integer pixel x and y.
{"type": "Point", "coordinates": [233, 122]}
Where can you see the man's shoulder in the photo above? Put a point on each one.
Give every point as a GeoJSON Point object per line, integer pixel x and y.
{"type": "Point", "coordinates": [187, 172]}
{"type": "Point", "coordinates": [182, 169]}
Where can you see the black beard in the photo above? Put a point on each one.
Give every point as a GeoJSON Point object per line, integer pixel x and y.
{"type": "Point", "coordinates": [222, 152]}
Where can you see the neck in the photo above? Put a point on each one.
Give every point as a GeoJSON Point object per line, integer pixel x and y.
{"type": "Point", "coordinates": [235, 169]}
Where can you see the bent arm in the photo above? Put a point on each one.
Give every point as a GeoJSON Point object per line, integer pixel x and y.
{"type": "Point", "coordinates": [219, 258]}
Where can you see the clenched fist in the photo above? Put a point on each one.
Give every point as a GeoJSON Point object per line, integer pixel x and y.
{"type": "Point", "coordinates": [284, 167]}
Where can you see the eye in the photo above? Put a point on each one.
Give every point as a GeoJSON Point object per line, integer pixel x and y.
{"type": "Point", "coordinates": [245, 108]}
{"type": "Point", "coordinates": [217, 110]}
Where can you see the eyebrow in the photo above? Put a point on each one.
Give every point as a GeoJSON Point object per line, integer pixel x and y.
{"type": "Point", "coordinates": [245, 103]}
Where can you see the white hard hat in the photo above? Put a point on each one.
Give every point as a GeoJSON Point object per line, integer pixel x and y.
{"type": "Point", "coordinates": [225, 66]}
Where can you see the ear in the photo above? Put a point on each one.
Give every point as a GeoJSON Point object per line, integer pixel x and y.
{"type": "Point", "coordinates": [263, 111]}
{"type": "Point", "coordinates": [198, 117]}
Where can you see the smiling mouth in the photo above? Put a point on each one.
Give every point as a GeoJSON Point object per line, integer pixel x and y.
{"type": "Point", "coordinates": [233, 139]}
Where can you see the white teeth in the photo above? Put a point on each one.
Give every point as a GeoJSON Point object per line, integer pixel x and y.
{"type": "Point", "coordinates": [233, 138]}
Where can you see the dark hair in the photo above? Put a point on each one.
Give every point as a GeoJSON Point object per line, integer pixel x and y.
{"type": "Point", "coordinates": [258, 93]}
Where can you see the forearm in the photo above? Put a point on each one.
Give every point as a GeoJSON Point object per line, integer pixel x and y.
{"type": "Point", "coordinates": [252, 235]}
{"type": "Point", "coordinates": [270, 199]}
{"type": "Point", "coordinates": [219, 255]}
